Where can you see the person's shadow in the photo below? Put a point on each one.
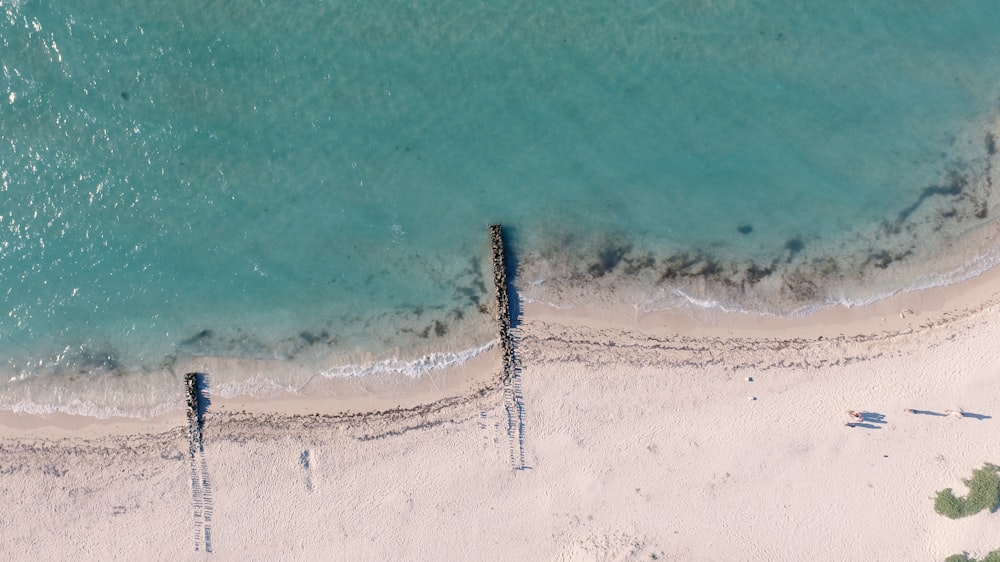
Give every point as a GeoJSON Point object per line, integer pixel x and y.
{"type": "Point", "coordinates": [869, 420]}
{"type": "Point", "coordinates": [972, 415]}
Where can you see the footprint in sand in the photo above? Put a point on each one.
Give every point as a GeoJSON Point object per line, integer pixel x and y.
{"type": "Point", "coordinates": [306, 464]}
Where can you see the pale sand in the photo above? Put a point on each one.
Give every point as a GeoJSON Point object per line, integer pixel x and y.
{"type": "Point", "coordinates": [640, 438]}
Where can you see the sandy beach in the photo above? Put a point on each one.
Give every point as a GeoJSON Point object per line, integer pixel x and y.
{"type": "Point", "coordinates": [685, 436]}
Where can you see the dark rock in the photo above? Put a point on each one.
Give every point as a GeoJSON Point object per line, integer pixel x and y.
{"type": "Point", "coordinates": [607, 260]}
{"type": "Point", "coordinates": [634, 265]}
{"type": "Point", "coordinates": [795, 245]}
{"type": "Point", "coordinates": [755, 273]}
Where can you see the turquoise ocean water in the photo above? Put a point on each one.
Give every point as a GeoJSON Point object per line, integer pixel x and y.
{"type": "Point", "coordinates": [309, 183]}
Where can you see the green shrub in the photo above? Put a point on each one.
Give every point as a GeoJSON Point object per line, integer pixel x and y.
{"type": "Point", "coordinates": [984, 489]}
{"type": "Point", "coordinates": [964, 557]}
{"type": "Point", "coordinates": [948, 505]}
{"type": "Point", "coordinates": [984, 493]}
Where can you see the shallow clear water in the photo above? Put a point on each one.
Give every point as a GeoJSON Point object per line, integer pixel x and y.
{"type": "Point", "coordinates": [312, 184]}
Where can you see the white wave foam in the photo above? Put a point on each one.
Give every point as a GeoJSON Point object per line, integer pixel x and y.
{"type": "Point", "coordinates": [529, 300]}
{"type": "Point", "coordinates": [969, 270]}
{"type": "Point", "coordinates": [77, 407]}
{"type": "Point", "coordinates": [255, 387]}
{"type": "Point", "coordinates": [707, 303]}
{"type": "Point", "coordinates": [144, 404]}
{"type": "Point", "coordinates": [972, 268]}
{"type": "Point", "coordinates": [414, 368]}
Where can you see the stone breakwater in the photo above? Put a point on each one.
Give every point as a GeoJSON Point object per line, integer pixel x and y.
{"type": "Point", "coordinates": [193, 410]}
{"type": "Point", "coordinates": [503, 305]}
{"type": "Point", "coordinates": [201, 483]}
{"type": "Point", "coordinates": [510, 377]}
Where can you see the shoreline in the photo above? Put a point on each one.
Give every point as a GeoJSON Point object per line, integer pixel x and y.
{"type": "Point", "coordinates": [643, 435]}
{"type": "Point", "coordinates": [903, 312]}
{"type": "Point", "coordinates": [327, 397]}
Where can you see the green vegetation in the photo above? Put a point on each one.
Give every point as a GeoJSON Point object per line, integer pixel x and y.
{"type": "Point", "coordinates": [984, 493]}
{"type": "Point", "coordinates": [991, 557]}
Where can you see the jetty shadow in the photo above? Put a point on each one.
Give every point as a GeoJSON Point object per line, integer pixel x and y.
{"type": "Point", "coordinates": [204, 399]}
{"type": "Point", "coordinates": [975, 416]}
{"type": "Point", "coordinates": [511, 268]}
